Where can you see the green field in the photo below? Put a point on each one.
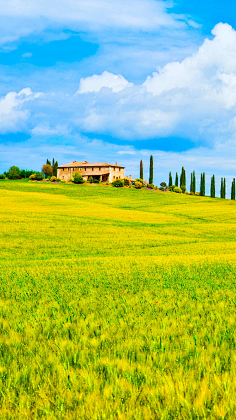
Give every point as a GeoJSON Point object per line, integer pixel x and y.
{"type": "Point", "coordinates": [116, 304]}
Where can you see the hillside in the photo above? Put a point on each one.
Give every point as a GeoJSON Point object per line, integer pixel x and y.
{"type": "Point", "coordinates": [116, 303]}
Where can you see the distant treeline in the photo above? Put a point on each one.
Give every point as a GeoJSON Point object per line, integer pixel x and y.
{"type": "Point", "coordinates": [182, 184]}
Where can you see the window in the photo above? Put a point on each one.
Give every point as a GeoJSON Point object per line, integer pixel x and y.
{"type": "Point", "coordinates": [85, 169]}
{"type": "Point", "coordinates": [99, 169]}
{"type": "Point", "coordinates": [119, 169]}
{"type": "Point", "coordinates": [117, 177]}
{"type": "Point", "coordinates": [92, 169]}
{"type": "Point", "coordinates": [113, 177]}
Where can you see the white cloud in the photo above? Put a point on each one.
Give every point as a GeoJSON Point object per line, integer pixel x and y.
{"type": "Point", "coordinates": [27, 55]}
{"type": "Point", "coordinates": [12, 113]}
{"type": "Point", "coordinates": [46, 130]}
{"type": "Point", "coordinates": [195, 98]}
{"type": "Point", "coordinates": [115, 82]}
{"type": "Point", "coordinates": [141, 14]}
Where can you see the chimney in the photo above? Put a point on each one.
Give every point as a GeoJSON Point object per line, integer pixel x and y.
{"type": "Point", "coordinates": [130, 177]}
{"type": "Point", "coordinates": [116, 163]}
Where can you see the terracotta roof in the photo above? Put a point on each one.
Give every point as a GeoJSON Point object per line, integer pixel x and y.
{"type": "Point", "coordinates": [86, 164]}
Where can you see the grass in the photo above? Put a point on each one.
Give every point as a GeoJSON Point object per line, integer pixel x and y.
{"type": "Point", "coordinates": [116, 304]}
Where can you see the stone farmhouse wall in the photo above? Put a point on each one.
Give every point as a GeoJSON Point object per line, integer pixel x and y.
{"type": "Point", "coordinates": [105, 173]}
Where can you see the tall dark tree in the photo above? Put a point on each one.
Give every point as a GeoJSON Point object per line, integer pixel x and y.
{"type": "Point", "coordinates": [213, 187]}
{"type": "Point", "coordinates": [233, 190]}
{"type": "Point", "coordinates": [49, 162]}
{"type": "Point", "coordinates": [176, 180]}
{"type": "Point", "coordinates": [54, 167]}
{"type": "Point", "coordinates": [141, 169]}
{"type": "Point", "coordinates": [202, 185]}
{"type": "Point", "coordinates": [170, 180]}
{"type": "Point", "coordinates": [222, 188]}
{"type": "Point", "coordinates": [151, 170]}
{"type": "Point", "coordinates": [183, 178]}
{"type": "Point", "coordinates": [194, 182]}
{"type": "Point", "coordinates": [191, 183]}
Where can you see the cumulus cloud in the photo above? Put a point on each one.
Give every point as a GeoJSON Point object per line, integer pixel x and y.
{"type": "Point", "coordinates": [12, 112]}
{"type": "Point", "coordinates": [195, 98]}
{"type": "Point", "coordinates": [115, 82]}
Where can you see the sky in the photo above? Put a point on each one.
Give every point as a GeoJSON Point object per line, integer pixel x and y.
{"type": "Point", "coordinates": [101, 80]}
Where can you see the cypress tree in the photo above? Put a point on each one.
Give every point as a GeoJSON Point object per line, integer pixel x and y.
{"type": "Point", "coordinates": [233, 190]}
{"type": "Point", "coordinates": [221, 189]}
{"type": "Point", "coordinates": [183, 178]}
{"type": "Point", "coordinates": [213, 187]}
{"type": "Point", "coordinates": [141, 169]}
{"type": "Point", "coordinates": [224, 188]}
{"type": "Point", "coordinates": [191, 183]}
{"type": "Point", "coordinates": [151, 170]}
{"type": "Point", "coordinates": [176, 180]}
{"type": "Point", "coordinates": [194, 182]}
{"type": "Point", "coordinates": [170, 180]}
{"type": "Point", "coordinates": [203, 184]}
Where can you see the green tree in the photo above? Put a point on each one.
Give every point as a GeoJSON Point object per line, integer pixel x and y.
{"type": "Point", "coordinates": [202, 185]}
{"type": "Point", "coordinates": [194, 183]}
{"type": "Point", "coordinates": [54, 167]}
{"type": "Point", "coordinates": [48, 162]}
{"type": "Point", "coordinates": [141, 169]}
{"type": "Point", "coordinates": [183, 178]}
{"type": "Point", "coordinates": [151, 170]}
{"type": "Point", "coordinates": [213, 187]}
{"type": "Point", "coordinates": [176, 179]}
{"type": "Point", "coordinates": [233, 190]}
{"type": "Point", "coordinates": [14, 172]}
{"type": "Point", "coordinates": [47, 170]}
{"type": "Point", "coordinates": [170, 180]}
{"type": "Point", "coordinates": [191, 183]}
{"type": "Point", "coordinates": [224, 188]}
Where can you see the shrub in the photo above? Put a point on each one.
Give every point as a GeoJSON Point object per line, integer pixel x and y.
{"type": "Point", "coordinates": [90, 179]}
{"type": "Point", "coordinates": [77, 178]}
{"type": "Point", "coordinates": [183, 188]}
{"type": "Point", "coordinates": [163, 185]}
{"type": "Point", "coordinates": [32, 177]}
{"type": "Point", "coordinates": [162, 189]}
{"type": "Point", "coordinates": [191, 193]}
{"type": "Point", "coordinates": [172, 187]}
{"type": "Point", "coordinates": [118, 183]}
{"type": "Point", "coordinates": [96, 181]}
{"type": "Point", "coordinates": [198, 193]}
{"type": "Point", "coordinates": [151, 186]}
{"type": "Point", "coordinates": [14, 172]}
{"type": "Point", "coordinates": [139, 180]}
{"type": "Point", "coordinates": [39, 176]}
{"type": "Point", "coordinates": [177, 190]}
{"type": "Point", "coordinates": [138, 185]}
{"type": "Point", "coordinates": [126, 182]}
{"type": "Point", "coordinates": [2, 176]}
{"type": "Point", "coordinates": [53, 179]}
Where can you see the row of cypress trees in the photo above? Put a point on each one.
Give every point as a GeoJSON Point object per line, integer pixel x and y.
{"type": "Point", "coordinates": [193, 182]}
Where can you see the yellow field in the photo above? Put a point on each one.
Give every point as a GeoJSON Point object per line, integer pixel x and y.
{"type": "Point", "coordinates": [116, 304]}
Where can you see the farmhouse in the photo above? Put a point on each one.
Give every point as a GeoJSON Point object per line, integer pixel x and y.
{"type": "Point", "coordinates": [101, 171]}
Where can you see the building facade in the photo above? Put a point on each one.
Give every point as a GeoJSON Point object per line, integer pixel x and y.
{"type": "Point", "coordinates": [104, 172]}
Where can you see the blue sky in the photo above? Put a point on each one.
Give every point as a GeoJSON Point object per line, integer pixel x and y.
{"type": "Point", "coordinates": [117, 81]}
